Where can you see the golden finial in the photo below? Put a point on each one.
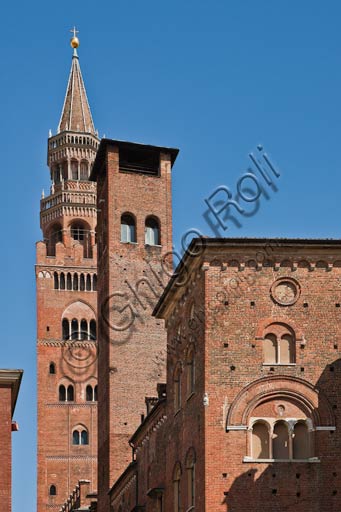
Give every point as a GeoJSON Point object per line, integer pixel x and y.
{"type": "Point", "coordinates": [74, 42]}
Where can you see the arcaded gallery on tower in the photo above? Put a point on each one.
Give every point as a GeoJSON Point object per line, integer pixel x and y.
{"type": "Point", "coordinates": [166, 392]}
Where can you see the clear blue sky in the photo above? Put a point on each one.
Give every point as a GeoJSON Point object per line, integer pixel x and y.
{"type": "Point", "coordinates": [214, 79]}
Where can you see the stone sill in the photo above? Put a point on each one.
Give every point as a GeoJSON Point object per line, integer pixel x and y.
{"type": "Point", "coordinates": [279, 364]}
{"type": "Point", "coordinates": [267, 461]}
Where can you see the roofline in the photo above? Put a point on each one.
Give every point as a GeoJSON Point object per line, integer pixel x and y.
{"type": "Point", "coordinates": [12, 378]}
{"type": "Point", "coordinates": [97, 166]}
{"type": "Point", "coordinates": [122, 476]}
{"type": "Point", "coordinates": [235, 242]}
{"type": "Point", "coordinates": [149, 416]}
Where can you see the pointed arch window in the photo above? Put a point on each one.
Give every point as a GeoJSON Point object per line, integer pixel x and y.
{"type": "Point", "coordinates": [128, 228]}
{"type": "Point", "coordinates": [177, 487]}
{"type": "Point", "coordinates": [190, 372]}
{"type": "Point", "coordinates": [177, 388]}
{"type": "Point", "coordinates": [152, 231]}
{"type": "Point", "coordinates": [190, 469]}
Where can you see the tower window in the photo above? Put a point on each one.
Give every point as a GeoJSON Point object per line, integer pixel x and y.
{"type": "Point", "coordinates": [80, 437]}
{"type": "Point", "coordinates": [53, 490]}
{"type": "Point", "coordinates": [84, 171]}
{"type": "Point", "coordinates": [56, 281]}
{"type": "Point", "coordinates": [52, 369]}
{"type": "Point", "coordinates": [84, 330]}
{"type": "Point", "coordinates": [152, 231]}
{"type": "Point", "coordinates": [93, 330]}
{"type": "Point", "coordinates": [128, 229]}
{"type": "Point", "coordinates": [62, 393]}
{"type": "Point", "coordinates": [190, 373]}
{"type": "Point", "coordinates": [74, 170]}
{"type": "Point", "coordinates": [62, 281]}
{"type": "Point", "coordinates": [190, 467]}
{"type": "Point", "coordinates": [74, 329]}
{"type": "Point", "coordinates": [89, 393]}
{"type": "Point", "coordinates": [66, 329]}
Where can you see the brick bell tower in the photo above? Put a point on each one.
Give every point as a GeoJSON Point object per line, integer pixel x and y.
{"type": "Point", "coordinates": [134, 249]}
{"type": "Point", "coordinates": [66, 280]}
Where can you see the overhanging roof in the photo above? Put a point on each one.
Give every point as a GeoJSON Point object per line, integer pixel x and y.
{"type": "Point", "coordinates": [11, 378]}
{"type": "Point", "coordinates": [105, 143]}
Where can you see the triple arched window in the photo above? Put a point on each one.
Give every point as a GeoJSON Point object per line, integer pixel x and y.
{"type": "Point", "coordinates": [79, 329]}
{"type": "Point", "coordinates": [281, 440]}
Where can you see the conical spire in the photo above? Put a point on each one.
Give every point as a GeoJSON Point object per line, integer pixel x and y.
{"type": "Point", "coordinates": [76, 115]}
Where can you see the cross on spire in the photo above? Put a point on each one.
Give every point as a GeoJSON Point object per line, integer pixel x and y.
{"type": "Point", "coordinates": [74, 31]}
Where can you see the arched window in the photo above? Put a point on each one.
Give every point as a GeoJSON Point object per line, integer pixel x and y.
{"type": "Point", "coordinates": [177, 388]}
{"type": "Point", "coordinates": [270, 349]}
{"type": "Point", "coordinates": [66, 329]}
{"type": "Point", "coordinates": [280, 441]}
{"type": "Point", "coordinates": [177, 487]}
{"type": "Point", "coordinates": [81, 233]}
{"type": "Point", "coordinates": [74, 170]}
{"type": "Point", "coordinates": [76, 437]}
{"type": "Point", "coordinates": [82, 283]}
{"type": "Point", "coordinates": [88, 283]}
{"type": "Point", "coordinates": [279, 345]}
{"type": "Point", "coordinates": [77, 232]}
{"type": "Point", "coordinates": [69, 281]}
{"type": "Point", "coordinates": [301, 445]}
{"type": "Point", "coordinates": [152, 231]}
{"type": "Point", "coordinates": [70, 393]}
{"type": "Point", "coordinates": [84, 330]}
{"type": "Point", "coordinates": [74, 329]}
{"type": "Point", "coordinates": [190, 469]}
{"type": "Point", "coordinates": [62, 281]}
{"type": "Point", "coordinates": [75, 281]}
{"type": "Point", "coordinates": [128, 229]}
{"type": "Point", "coordinates": [53, 490]}
{"type": "Point", "coordinates": [89, 394]}
{"type": "Point", "coordinates": [96, 393]}
{"type": "Point", "coordinates": [260, 440]}
{"type": "Point", "coordinates": [54, 236]}
{"type": "Point", "coordinates": [52, 369]}
{"type": "Point", "coordinates": [94, 283]}
{"type": "Point", "coordinates": [84, 171]}
{"type": "Point", "coordinates": [56, 280]}
{"type": "Point", "coordinates": [190, 372]}
{"type": "Point", "coordinates": [93, 330]}
{"type": "Point", "coordinates": [84, 437]}
{"type": "Point", "coordinates": [62, 393]}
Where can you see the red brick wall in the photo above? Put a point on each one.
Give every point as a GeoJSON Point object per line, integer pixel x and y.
{"type": "Point", "coordinates": [59, 462]}
{"type": "Point", "coordinates": [128, 358]}
{"type": "Point", "coordinates": [5, 448]}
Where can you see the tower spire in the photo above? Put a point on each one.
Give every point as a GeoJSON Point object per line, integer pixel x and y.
{"type": "Point", "coordinates": [76, 114]}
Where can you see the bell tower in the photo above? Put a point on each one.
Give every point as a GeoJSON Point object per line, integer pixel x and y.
{"type": "Point", "coordinates": [66, 282]}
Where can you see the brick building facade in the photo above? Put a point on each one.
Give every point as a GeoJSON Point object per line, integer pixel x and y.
{"type": "Point", "coordinates": [9, 388]}
{"type": "Point", "coordinates": [66, 277]}
{"type": "Point", "coordinates": [227, 398]}
{"type": "Point", "coordinates": [251, 417]}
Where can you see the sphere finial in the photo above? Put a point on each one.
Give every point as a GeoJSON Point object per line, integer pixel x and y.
{"type": "Point", "coordinates": [74, 41]}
